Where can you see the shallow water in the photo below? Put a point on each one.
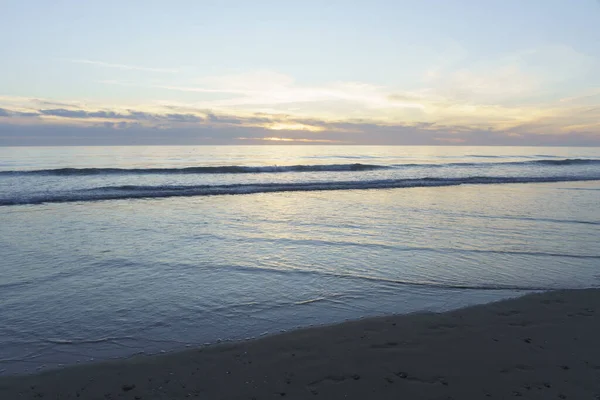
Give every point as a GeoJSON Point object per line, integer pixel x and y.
{"type": "Point", "coordinates": [83, 279]}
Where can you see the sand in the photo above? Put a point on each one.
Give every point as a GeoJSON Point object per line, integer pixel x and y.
{"type": "Point", "coordinates": [541, 346]}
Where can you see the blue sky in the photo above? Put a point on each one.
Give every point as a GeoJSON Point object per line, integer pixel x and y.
{"type": "Point", "coordinates": [367, 72]}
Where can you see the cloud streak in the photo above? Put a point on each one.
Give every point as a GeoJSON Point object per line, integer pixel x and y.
{"type": "Point", "coordinates": [126, 67]}
{"type": "Point", "coordinates": [131, 115]}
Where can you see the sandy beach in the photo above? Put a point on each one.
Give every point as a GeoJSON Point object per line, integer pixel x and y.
{"type": "Point", "coordinates": [541, 346]}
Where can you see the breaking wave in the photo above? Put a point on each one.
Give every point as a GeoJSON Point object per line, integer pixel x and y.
{"type": "Point", "coordinates": [161, 191]}
{"type": "Point", "coordinates": [226, 169]}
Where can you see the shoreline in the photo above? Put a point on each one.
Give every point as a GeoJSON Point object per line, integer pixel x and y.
{"type": "Point", "coordinates": [402, 305]}
{"type": "Point", "coordinates": [541, 345]}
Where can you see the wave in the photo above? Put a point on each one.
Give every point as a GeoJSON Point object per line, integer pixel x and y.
{"type": "Point", "coordinates": [551, 220]}
{"type": "Point", "coordinates": [344, 157]}
{"type": "Point", "coordinates": [396, 281]}
{"type": "Point", "coordinates": [511, 156]}
{"type": "Point", "coordinates": [486, 156]}
{"type": "Point", "coordinates": [240, 169]}
{"type": "Point", "coordinates": [108, 339]}
{"type": "Point", "coordinates": [444, 250]}
{"type": "Point", "coordinates": [567, 161]}
{"type": "Point", "coordinates": [138, 192]}
{"type": "Point", "coordinates": [226, 169]}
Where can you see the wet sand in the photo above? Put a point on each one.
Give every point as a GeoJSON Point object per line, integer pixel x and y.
{"type": "Point", "coordinates": [541, 346]}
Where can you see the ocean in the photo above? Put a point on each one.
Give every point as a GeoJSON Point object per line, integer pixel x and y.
{"type": "Point", "coordinates": [108, 252]}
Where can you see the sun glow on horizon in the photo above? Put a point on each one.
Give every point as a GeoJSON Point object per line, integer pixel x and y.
{"type": "Point", "coordinates": [285, 139]}
{"type": "Point", "coordinates": [290, 126]}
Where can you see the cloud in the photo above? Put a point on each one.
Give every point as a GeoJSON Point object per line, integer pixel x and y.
{"type": "Point", "coordinates": [130, 115]}
{"type": "Point", "coordinates": [588, 96]}
{"type": "Point", "coordinates": [522, 91]}
{"type": "Point", "coordinates": [126, 67]}
{"type": "Point", "coordinates": [135, 133]}
{"type": "Point", "coordinates": [461, 124]}
{"type": "Point", "coordinates": [8, 113]}
{"type": "Point", "coordinates": [512, 100]}
{"type": "Point", "coordinates": [61, 112]}
{"type": "Point", "coordinates": [185, 118]}
{"type": "Point", "coordinates": [451, 140]}
{"type": "Point", "coordinates": [531, 76]}
{"type": "Point", "coordinates": [229, 119]}
{"type": "Point", "coordinates": [52, 103]}
{"type": "Point", "coordinates": [267, 90]}
{"type": "Point", "coordinates": [491, 94]}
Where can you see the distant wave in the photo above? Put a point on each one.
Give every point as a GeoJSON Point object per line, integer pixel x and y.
{"type": "Point", "coordinates": [511, 156]}
{"type": "Point", "coordinates": [138, 192]}
{"type": "Point", "coordinates": [486, 156]}
{"type": "Point", "coordinates": [568, 161]}
{"type": "Point", "coordinates": [345, 157]}
{"type": "Point", "coordinates": [226, 169]}
{"type": "Point", "coordinates": [240, 169]}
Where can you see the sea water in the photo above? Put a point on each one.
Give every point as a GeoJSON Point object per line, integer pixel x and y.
{"type": "Point", "coordinates": [107, 252]}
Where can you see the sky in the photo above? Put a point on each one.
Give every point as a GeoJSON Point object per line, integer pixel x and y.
{"type": "Point", "coordinates": [404, 72]}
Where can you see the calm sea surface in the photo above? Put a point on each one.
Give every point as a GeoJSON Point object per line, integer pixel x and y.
{"type": "Point", "coordinates": [106, 252]}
